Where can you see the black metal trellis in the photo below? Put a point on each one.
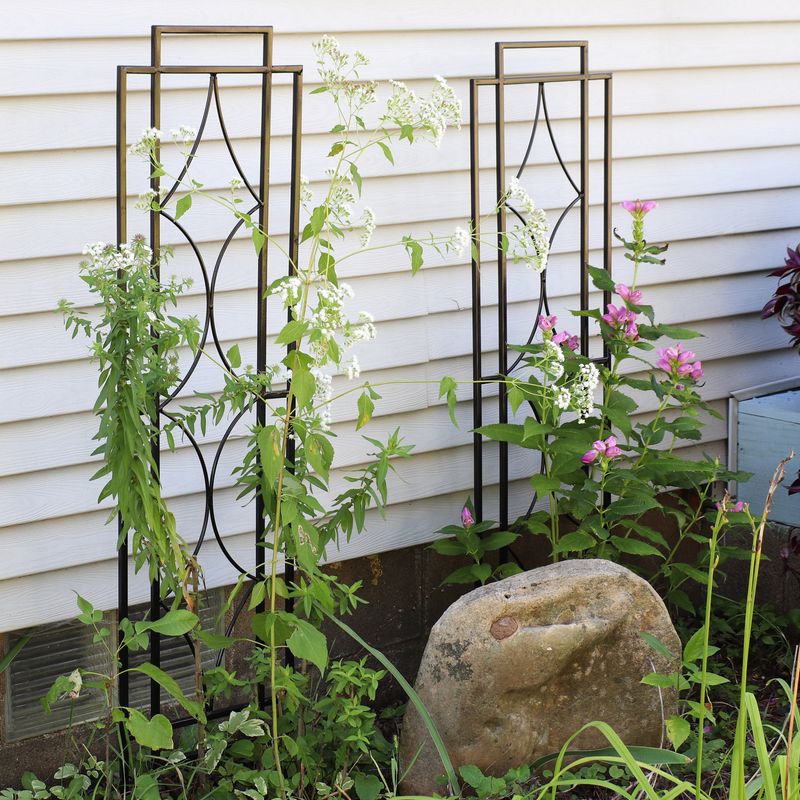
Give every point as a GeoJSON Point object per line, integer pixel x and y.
{"type": "Point", "coordinates": [259, 192]}
{"type": "Point", "coordinates": [500, 80]}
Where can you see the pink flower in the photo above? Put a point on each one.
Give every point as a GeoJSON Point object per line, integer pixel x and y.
{"type": "Point", "coordinates": [604, 449]}
{"type": "Point", "coordinates": [573, 342]}
{"type": "Point", "coordinates": [633, 296]}
{"type": "Point", "coordinates": [638, 206]}
{"type": "Point", "coordinates": [736, 507]}
{"type": "Point", "coordinates": [679, 363]}
{"type": "Point", "coordinates": [467, 520]}
{"type": "Point", "coordinates": [547, 323]}
{"type": "Point", "coordinates": [623, 321]}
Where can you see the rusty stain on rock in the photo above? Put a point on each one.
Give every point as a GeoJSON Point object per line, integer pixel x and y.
{"type": "Point", "coordinates": [504, 627]}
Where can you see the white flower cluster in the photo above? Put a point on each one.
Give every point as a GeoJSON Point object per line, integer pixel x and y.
{"type": "Point", "coordinates": [290, 290]}
{"type": "Point", "coordinates": [362, 330]}
{"type": "Point", "coordinates": [516, 191]}
{"type": "Point", "coordinates": [323, 392]}
{"type": "Point", "coordinates": [353, 368]}
{"type": "Point", "coordinates": [146, 199]}
{"type": "Point", "coordinates": [433, 114]}
{"type": "Point", "coordinates": [553, 360]}
{"type": "Point", "coordinates": [341, 198]}
{"type": "Point", "coordinates": [460, 241]}
{"type": "Point", "coordinates": [441, 109]}
{"type": "Point", "coordinates": [329, 317]}
{"type": "Point", "coordinates": [183, 134]}
{"type": "Point", "coordinates": [368, 226]}
{"type": "Point", "coordinates": [337, 69]}
{"type": "Point", "coordinates": [563, 397]}
{"type": "Point", "coordinates": [583, 389]}
{"type": "Point", "coordinates": [401, 105]}
{"type": "Point", "coordinates": [306, 195]}
{"type": "Point", "coordinates": [147, 142]}
{"type": "Point", "coordinates": [529, 242]}
{"type": "Point", "coordinates": [123, 257]}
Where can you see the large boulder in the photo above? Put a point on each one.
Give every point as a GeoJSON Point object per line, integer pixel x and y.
{"type": "Point", "coordinates": [512, 669]}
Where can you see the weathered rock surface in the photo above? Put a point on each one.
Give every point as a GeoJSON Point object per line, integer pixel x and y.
{"type": "Point", "coordinates": [512, 669]}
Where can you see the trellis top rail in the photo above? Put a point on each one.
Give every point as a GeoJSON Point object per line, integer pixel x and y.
{"type": "Point", "coordinates": [547, 77]}
{"type": "Point", "coordinates": [235, 69]}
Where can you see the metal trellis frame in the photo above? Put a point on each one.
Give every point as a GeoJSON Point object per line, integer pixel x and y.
{"type": "Point", "coordinates": [581, 203]}
{"type": "Point", "coordinates": [259, 207]}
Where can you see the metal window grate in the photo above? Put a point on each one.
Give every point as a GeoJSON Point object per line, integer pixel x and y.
{"type": "Point", "coordinates": [54, 650]}
{"type": "Point", "coordinates": [62, 647]}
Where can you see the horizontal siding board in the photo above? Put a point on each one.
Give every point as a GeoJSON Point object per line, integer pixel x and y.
{"type": "Point", "coordinates": [31, 286]}
{"type": "Point", "coordinates": [57, 121]}
{"type": "Point", "coordinates": [48, 67]}
{"type": "Point", "coordinates": [46, 20]}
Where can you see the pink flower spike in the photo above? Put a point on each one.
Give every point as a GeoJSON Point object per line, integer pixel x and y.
{"type": "Point", "coordinates": [560, 337]}
{"type": "Point", "coordinates": [633, 296]}
{"type": "Point", "coordinates": [574, 343]}
{"type": "Point", "coordinates": [739, 507]}
{"type": "Point", "coordinates": [589, 456]}
{"type": "Point", "coordinates": [639, 206]}
{"type": "Point", "coordinates": [599, 446]}
{"type": "Point", "coordinates": [547, 323]}
{"type": "Point", "coordinates": [467, 520]}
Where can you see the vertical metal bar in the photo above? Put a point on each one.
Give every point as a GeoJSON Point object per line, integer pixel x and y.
{"type": "Point", "coordinates": [261, 314]}
{"type": "Point", "coordinates": [584, 184]}
{"type": "Point", "coordinates": [607, 194]}
{"type": "Point", "coordinates": [475, 261]}
{"type": "Point", "coordinates": [155, 244]}
{"type": "Point", "coordinates": [502, 295]}
{"type": "Point", "coordinates": [294, 248]}
{"type": "Point", "coordinates": [607, 242]}
{"type": "Point", "coordinates": [123, 684]}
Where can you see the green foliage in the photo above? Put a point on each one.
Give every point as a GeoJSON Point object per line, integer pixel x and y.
{"type": "Point", "coordinates": [134, 342]}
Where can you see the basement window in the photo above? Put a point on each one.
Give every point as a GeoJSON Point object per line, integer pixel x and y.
{"type": "Point", "coordinates": [59, 648]}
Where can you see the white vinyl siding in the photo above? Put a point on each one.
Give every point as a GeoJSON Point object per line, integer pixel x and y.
{"type": "Point", "coordinates": [706, 121]}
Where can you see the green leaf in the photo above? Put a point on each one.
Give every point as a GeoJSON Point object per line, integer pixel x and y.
{"type": "Point", "coordinates": [575, 542]}
{"type": "Point", "coordinates": [292, 332]}
{"type": "Point", "coordinates": [601, 279]}
{"type": "Point", "coordinates": [502, 432]}
{"type": "Point", "coordinates": [303, 386]}
{"type": "Point", "coordinates": [214, 641]}
{"type": "Point", "coordinates": [498, 539]}
{"type": "Point", "coordinates": [386, 151]}
{"type": "Point", "coordinates": [414, 250]}
{"type": "Point", "coordinates": [183, 205]}
{"type": "Point", "coordinates": [146, 787]}
{"type": "Point", "coordinates": [678, 730]}
{"type": "Point", "coordinates": [365, 408]}
{"type": "Point", "coordinates": [5, 661]}
{"type": "Point", "coordinates": [234, 357]}
{"type": "Point", "coordinates": [531, 428]}
{"type": "Point", "coordinates": [309, 644]}
{"type": "Point", "coordinates": [155, 733]}
{"type": "Point", "coordinates": [448, 547]}
{"type": "Point", "coordinates": [356, 176]}
{"type": "Point", "coordinates": [447, 387]}
{"type": "Point", "coordinates": [176, 622]}
{"type": "Point", "coordinates": [662, 681]}
{"type": "Point", "coordinates": [472, 775]}
{"type": "Point", "coordinates": [632, 505]}
{"type": "Point", "coordinates": [634, 547]}
{"type": "Point", "coordinates": [258, 239]}
{"type": "Point", "coordinates": [693, 649]}
{"type": "Point", "coordinates": [656, 644]}
{"type": "Point", "coordinates": [545, 484]}
{"type": "Point", "coordinates": [368, 787]}
{"type": "Point", "coordinates": [170, 685]}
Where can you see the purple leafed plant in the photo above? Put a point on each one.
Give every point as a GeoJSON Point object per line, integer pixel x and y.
{"type": "Point", "coordinates": [785, 303]}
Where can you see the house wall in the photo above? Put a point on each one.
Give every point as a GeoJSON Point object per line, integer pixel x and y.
{"type": "Point", "coordinates": [706, 114]}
